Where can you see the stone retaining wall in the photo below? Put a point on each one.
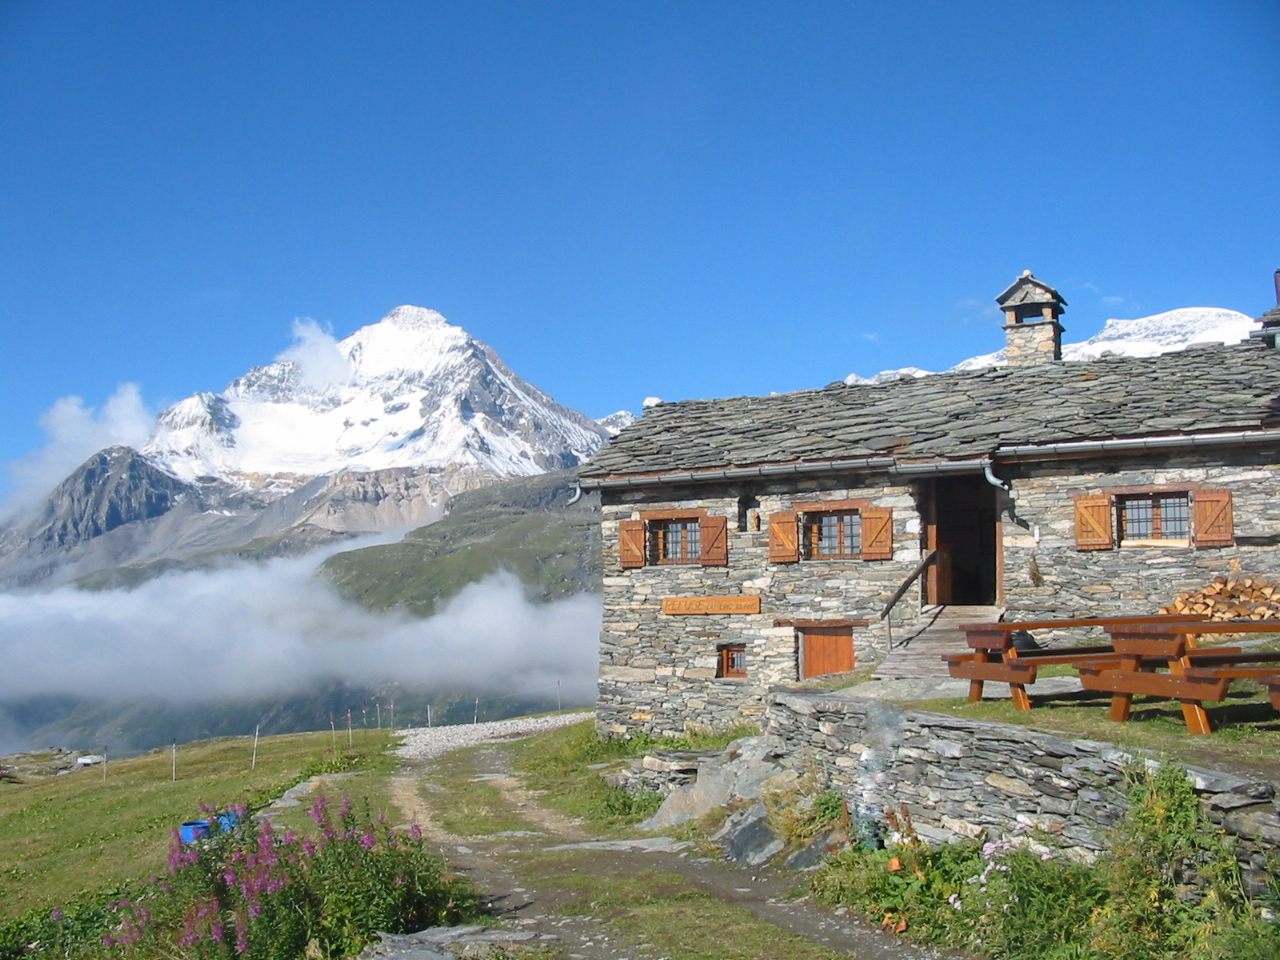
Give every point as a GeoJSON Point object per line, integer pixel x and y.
{"type": "Point", "coordinates": [964, 778]}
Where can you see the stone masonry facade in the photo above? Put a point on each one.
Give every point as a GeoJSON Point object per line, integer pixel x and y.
{"type": "Point", "coordinates": [658, 671]}
{"type": "Point", "coordinates": [1046, 576]}
{"type": "Point", "coordinates": [969, 779]}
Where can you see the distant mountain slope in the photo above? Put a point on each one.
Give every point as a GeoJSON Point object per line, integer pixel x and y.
{"type": "Point", "coordinates": [1141, 337]}
{"type": "Point", "coordinates": [525, 526]}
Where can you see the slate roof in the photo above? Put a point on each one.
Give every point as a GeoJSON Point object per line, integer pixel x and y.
{"type": "Point", "coordinates": [960, 416]}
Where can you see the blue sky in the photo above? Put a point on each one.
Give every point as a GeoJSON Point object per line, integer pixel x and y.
{"type": "Point", "coordinates": [623, 199]}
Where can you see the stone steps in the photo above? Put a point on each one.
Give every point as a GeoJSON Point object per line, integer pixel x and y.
{"type": "Point", "coordinates": [918, 647]}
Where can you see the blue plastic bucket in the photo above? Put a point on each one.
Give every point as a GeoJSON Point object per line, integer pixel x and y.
{"type": "Point", "coordinates": [228, 820]}
{"type": "Point", "coordinates": [193, 830]}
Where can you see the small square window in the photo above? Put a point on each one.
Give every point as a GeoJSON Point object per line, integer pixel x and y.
{"type": "Point", "coordinates": [732, 660]}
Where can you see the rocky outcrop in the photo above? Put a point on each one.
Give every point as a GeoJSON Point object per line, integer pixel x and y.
{"type": "Point", "coordinates": [113, 487]}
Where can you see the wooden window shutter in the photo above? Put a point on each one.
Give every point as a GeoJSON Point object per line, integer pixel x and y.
{"type": "Point", "coordinates": [714, 534]}
{"type": "Point", "coordinates": [784, 537]}
{"type": "Point", "coordinates": [1094, 530]}
{"type": "Point", "coordinates": [877, 533]}
{"type": "Point", "coordinates": [631, 544]}
{"type": "Point", "coordinates": [1213, 523]}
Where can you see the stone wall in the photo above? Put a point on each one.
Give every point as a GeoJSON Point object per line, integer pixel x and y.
{"type": "Point", "coordinates": [658, 671]}
{"type": "Point", "coordinates": [968, 779]}
{"type": "Point", "coordinates": [1046, 576]}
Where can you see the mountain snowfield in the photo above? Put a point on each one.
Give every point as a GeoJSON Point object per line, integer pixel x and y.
{"type": "Point", "coordinates": [412, 390]}
{"type": "Point", "coordinates": [1141, 337]}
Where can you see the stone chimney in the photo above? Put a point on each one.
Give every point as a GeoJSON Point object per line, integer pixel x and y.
{"type": "Point", "coordinates": [1032, 332]}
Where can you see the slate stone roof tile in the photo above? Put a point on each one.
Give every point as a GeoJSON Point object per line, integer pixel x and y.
{"type": "Point", "coordinates": [957, 416]}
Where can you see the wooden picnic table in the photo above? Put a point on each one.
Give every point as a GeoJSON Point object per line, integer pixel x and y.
{"type": "Point", "coordinates": [1194, 675]}
{"type": "Point", "coordinates": [995, 658]}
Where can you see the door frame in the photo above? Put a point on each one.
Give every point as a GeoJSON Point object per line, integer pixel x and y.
{"type": "Point", "coordinates": [933, 583]}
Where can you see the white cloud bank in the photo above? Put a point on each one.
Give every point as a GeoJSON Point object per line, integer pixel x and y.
{"type": "Point", "coordinates": [252, 630]}
{"type": "Point", "coordinates": [74, 431]}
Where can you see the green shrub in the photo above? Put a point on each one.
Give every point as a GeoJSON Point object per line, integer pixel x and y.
{"type": "Point", "coordinates": [1168, 887]}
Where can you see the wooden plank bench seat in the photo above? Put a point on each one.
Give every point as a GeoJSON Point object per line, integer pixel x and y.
{"type": "Point", "coordinates": [994, 658]}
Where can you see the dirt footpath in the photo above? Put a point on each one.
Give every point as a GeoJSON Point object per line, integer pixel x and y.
{"type": "Point", "coordinates": [597, 898]}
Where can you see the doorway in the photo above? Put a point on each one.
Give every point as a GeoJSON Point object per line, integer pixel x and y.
{"type": "Point", "coordinates": [962, 523]}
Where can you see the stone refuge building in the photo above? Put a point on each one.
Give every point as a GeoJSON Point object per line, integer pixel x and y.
{"type": "Point", "coordinates": [754, 541]}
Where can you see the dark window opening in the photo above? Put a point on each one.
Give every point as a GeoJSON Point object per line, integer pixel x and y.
{"type": "Point", "coordinates": [745, 505]}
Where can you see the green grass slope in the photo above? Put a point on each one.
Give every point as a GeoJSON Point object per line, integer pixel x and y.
{"type": "Point", "coordinates": [526, 527]}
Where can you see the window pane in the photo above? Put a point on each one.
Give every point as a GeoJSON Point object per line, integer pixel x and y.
{"type": "Point", "coordinates": [1174, 513]}
{"type": "Point", "coordinates": [1136, 518]}
{"type": "Point", "coordinates": [852, 533]}
{"type": "Point", "coordinates": [829, 541]}
{"type": "Point", "coordinates": [692, 540]}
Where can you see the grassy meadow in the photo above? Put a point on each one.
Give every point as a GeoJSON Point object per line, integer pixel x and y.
{"type": "Point", "coordinates": [80, 834]}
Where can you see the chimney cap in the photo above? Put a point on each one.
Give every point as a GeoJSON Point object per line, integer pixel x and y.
{"type": "Point", "coordinates": [1028, 290]}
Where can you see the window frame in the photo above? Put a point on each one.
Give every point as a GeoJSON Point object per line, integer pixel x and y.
{"type": "Point", "coordinates": [726, 653]}
{"type": "Point", "coordinates": [1156, 518]}
{"type": "Point", "coordinates": [658, 540]}
{"type": "Point", "coordinates": [814, 535]}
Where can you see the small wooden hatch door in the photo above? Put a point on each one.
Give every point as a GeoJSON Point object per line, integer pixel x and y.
{"type": "Point", "coordinates": [826, 650]}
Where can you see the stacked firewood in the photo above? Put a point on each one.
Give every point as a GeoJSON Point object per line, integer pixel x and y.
{"type": "Point", "coordinates": [1230, 598]}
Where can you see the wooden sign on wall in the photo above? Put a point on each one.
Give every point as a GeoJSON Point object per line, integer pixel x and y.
{"type": "Point", "coordinates": [705, 605]}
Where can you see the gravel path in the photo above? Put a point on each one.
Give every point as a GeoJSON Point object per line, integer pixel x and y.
{"type": "Point", "coordinates": [421, 743]}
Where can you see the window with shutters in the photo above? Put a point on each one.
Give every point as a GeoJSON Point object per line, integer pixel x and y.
{"type": "Point", "coordinates": [732, 660]}
{"type": "Point", "coordinates": [838, 530]}
{"type": "Point", "coordinates": [673, 536]}
{"type": "Point", "coordinates": [1136, 517]}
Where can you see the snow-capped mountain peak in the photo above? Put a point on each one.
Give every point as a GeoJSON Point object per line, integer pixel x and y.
{"type": "Point", "coordinates": [1139, 337]}
{"type": "Point", "coordinates": [615, 423]}
{"type": "Point", "coordinates": [411, 390]}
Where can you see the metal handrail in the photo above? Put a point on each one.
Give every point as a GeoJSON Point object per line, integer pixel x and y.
{"type": "Point", "coordinates": [929, 557]}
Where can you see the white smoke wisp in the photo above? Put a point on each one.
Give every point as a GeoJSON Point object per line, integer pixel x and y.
{"type": "Point", "coordinates": [316, 356]}
{"type": "Point", "coordinates": [74, 431]}
{"type": "Point", "coordinates": [276, 628]}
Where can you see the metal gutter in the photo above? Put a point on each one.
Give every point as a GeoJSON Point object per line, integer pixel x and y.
{"type": "Point", "coordinates": [1044, 451]}
{"type": "Point", "coordinates": [738, 473]}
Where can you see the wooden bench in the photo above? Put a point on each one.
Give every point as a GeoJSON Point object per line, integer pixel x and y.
{"type": "Point", "coordinates": [1194, 676]}
{"type": "Point", "coordinates": [994, 658]}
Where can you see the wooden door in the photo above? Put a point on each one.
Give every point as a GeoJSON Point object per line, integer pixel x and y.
{"type": "Point", "coordinates": [826, 650]}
